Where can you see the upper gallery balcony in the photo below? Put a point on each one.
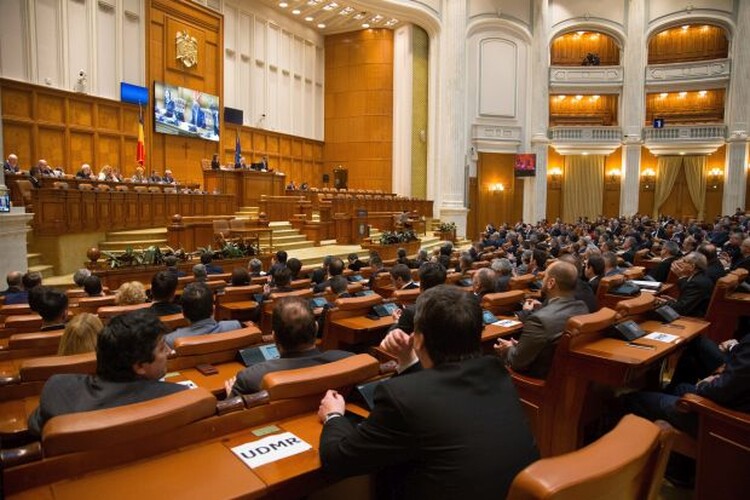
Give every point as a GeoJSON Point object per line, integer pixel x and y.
{"type": "Point", "coordinates": [689, 56]}
{"type": "Point", "coordinates": [585, 59]}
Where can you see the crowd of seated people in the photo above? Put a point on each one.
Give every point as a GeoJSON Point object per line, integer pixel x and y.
{"type": "Point", "coordinates": [433, 341]}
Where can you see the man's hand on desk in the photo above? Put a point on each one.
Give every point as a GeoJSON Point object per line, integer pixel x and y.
{"type": "Point", "coordinates": [728, 345]}
{"type": "Point", "coordinates": [228, 384]}
{"type": "Point", "coordinates": [396, 314]}
{"type": "Point", "coordinates": [531, 304]}
{"type": "Point", "coordinates": [399, 344]}
{"type": "Point", "coordinates": [502, 347]}
{"type": "Point", "coordinates": [332, 402]}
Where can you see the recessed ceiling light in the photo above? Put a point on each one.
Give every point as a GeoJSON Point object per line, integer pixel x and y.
{"type": "Point", "coordinates": [683, 94]}
{"type": "Point", "coordinates": [702, 93]}
{"type": "Point", "coordinates": [321, 25]}
{"type": "Point", "coordinates": [579, 97]}
{"type": "Point", "coordinates": [309, 18]}
{"type": "Point", "coordinates": [663, 95]}
{"type": "Point", "coordinates": [360, 15]}
{"type": "Point", "coordinates": [365, 25]}
{"type": "Point", "coordinates": [391, 22]}
{"type": "Point", "coordinates": [296, 12]}
{"type": "Point", "coordinates": [684, 28]}
{"type": "Point", "coordinates": [283, 5]}
{"type": "Point", "coordinates": [331, 6]}
{"type": "Point", "coordinates": [376, 18]}
{"type": "Point", "coordinates": [346, 11]}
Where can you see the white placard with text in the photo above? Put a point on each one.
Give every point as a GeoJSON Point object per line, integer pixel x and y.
{"type": "Point", "coordinates": [270, 449]}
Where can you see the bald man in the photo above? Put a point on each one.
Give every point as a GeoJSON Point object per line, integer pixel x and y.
{"type": "Point", "coordinates": [11, 164]}
{"type": "Point", "coordinates": [14, 280]}
{"type": "Point", "coordinates": [533, 352]}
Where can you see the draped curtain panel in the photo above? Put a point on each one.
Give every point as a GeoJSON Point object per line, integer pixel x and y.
{"type": "Point", "coordinates": [667, 170]}
{"type": "Point", "coordinates": [695, 175]}
{"type": "Point", "coordinates": [583, 189]}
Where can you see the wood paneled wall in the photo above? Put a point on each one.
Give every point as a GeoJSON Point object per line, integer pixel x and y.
{"type": "Point", "coordinates": [679, 204]}
{"type": "Point", "coordinates": [588, 110]}
{"type": "Point", "coordinates": [696, 43]}
{"type": "Point", "coordinates": [496, 206]}
{"type": "Point", "coordinates": [359, 107]}
{"type": "Point", "coordinates": [300, 159]}
{"type": "Point", "coordinates": [571, 48]}
{"type": "Point", "coordinates": [686, 107]}
{"type": "Point", "coordinates": [165, 18]}
{"type": "Point", "coordinates": [66, 128]}
{"type": "Point", "coordinates": [611, 198]}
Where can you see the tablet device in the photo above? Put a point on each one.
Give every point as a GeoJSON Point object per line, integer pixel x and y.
{"type": "Point", "coordinates": [666, 313]}
{"type": "Point", "coordinates": [365, 393]}
{"type": "Point", "coordinates": [629, 330]}
{"type": "Point", "coordinates": [356, 277]}
{"type": "Point", "coordinates": [487, 317]}
{"type": "Point", "coordinates": [253, 355]}
{"type": "Point", "coordinates": [465, 282]}
{"type": "Point", "coordinates": [316, 302]}
{"type": "Point", "coordinates": [258, 297]}
{"type": "Point", "coordinates": [364, 293]}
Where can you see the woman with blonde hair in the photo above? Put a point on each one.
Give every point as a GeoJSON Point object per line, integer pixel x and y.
{"type": "Point", "coordinates": [80, 334]}
{"type": "Point", "coordinates": [130, 294]}
{"type": "Point", "coordinates": [105, 174]}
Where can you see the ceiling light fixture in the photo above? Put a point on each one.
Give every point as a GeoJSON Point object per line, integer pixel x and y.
{"type": "Point", "coordinates": [321, 25]}
{"type": "Point", "coordinates": [309, 18]}
{"type": "Point", "coordinates": [683, 94]}
{"type": "Point", "coordinates": [346, 11]}
{"type": "Point", "coordinates": [702, 93]}
{"type": "Point", "coordinates": [365, 25]}
{"type": "Point", "coordinates": [579, 97]}
{"type": "Point", "coordinates": [283, 5]}
{"type": "Point", "coordinates": [296, 12]}
{"type": "Point", "coordinates": [331, 6]}
{"type": "Point", "coordinates": [663, 95]}
{"type": "Point", "coordinates": [360, 15]}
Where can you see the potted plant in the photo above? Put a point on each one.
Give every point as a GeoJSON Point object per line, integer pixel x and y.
{"type": "Point", "coordinates": [446, 231]}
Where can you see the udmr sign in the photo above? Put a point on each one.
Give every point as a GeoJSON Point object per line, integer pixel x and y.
{"type": "Point", "coordinates": [269, 449]}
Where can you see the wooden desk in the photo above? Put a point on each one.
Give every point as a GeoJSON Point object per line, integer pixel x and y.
{"type": "Point", "coordinates": [356, 330]}
{"type": "Point", "coordinates": [246, 185]}
{"type": "Point", "coordinates": [213, 383]}
{"type": "Point", "coordinates": [221, 474]}
{"type": "Point", "coordinates": [492, 332]}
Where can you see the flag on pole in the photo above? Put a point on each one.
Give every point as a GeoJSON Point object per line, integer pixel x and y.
{"type": "Point", "coordinates": [140, 150]}
{"type": "Point", "coordinates": [237, 150]}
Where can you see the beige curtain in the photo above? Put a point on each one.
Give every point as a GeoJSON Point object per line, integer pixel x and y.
{"type": "Point", "coordinates": [667, 170]}
{"type": "Point", "coordinates": [695, 175]}
{"type": "Point", "coordinates": [583, 187]}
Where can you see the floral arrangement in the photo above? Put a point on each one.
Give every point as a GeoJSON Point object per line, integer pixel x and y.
{"type": "Point", "coordinates": [394, 237]}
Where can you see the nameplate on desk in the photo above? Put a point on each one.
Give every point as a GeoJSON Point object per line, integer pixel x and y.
{"type": "Point", "coordinates": [188, 383]}
{"type": "Point", "coordinates": [270, 449]}
{"type": "Point", "coordinates": [662, 337]}
{"type": "Point", "coordinates": [506, 323]}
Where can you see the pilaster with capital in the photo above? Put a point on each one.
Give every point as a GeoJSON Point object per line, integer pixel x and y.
{"type": "Point", "coordinates": [634, 97]}
{"type": "Point", "coordinates": [535, 207]}
{"type": "Point", "coordinates": [452, 144]}
{"type": "Point", "coordinates": [738, 114]}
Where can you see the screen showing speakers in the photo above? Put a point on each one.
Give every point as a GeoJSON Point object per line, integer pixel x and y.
{"type": "Point", "coordinates": [185, 112]}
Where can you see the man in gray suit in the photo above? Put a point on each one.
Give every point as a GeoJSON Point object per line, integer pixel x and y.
{"type": "Point", "coordinates": [198, 307]}
{"type": "Point", "coordinates": [131, 357]}
{"type": "Point", "coordinates": [533, 352]}
{"type": "Point", "coordinates": [294, 330]}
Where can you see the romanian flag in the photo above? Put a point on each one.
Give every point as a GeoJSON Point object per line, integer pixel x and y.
{"type": "Point", "coordinates": [237, 150]}
{"type": "Point", "coordinates": [140, 150]}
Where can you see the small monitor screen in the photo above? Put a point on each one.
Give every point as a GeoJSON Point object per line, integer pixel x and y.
{"type": "Point", "coordinates": [525, 165]}
{"type": "Point", "coordinates": [186, 112]}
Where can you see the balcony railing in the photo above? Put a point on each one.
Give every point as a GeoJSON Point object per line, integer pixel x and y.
{"type": "Point", "coordinates": [715, 70]}
{"type": "Point", "coordinates": [585, 134]}
{"type": "Point", "coordinates": [586, 75]}
{"type": "Point", "coordinates": [697, 133]}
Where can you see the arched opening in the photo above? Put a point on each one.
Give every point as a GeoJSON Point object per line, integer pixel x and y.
{"type": "Point", "coordinates": [688, 42]}
{"type": "Point", "coordinates": [584, 48]}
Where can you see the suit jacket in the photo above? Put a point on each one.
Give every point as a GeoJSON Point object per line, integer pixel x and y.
{"type": "Point", "coordinates": [212, 269]}
{"type": "Point", "coordinates": [661, 271]}
{"type": "Point", "coordinates": [248, 380]}
{"type": "Point", "coordinates": [584, 293]}
{"type": "Point", "coordinates": [165, 308]}
{"type": "Point", "coordinates": [541, 330]}
{"type": "Point", "coordinates": [695, 294]}
{"type": "Point", "coordinates": [715, 270]}
{"type": "Point", "coordinates": [732, 387]}
{"type": "Point", "coordinates": [73, 393]}
{"type": "Point", "coordinates": [410, 286]}
{"type": "Point", "coordinates": [502, 284]}
{"type": "Point", "coordinates": [21, 297]}
{"type": "Point", "coordinates": [456, 430]}
{"type": "Point", "coordinates": [202, 327]}
{"type": "Point", "coordinates": [594, 283]}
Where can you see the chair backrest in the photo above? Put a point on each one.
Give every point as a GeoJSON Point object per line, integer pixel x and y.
{"type": "Point", "coordinates": [121, 187]}
{"type": "Point", "coordinates": [36, 340]}
{"type": "Point", "coordinates": [316, 380]}
{"type": "Point", "coordinates": [606, 284]}
{"type": "Point", "coordinates": [521, 282]}
{"type": "Point", "coordinates": [102, 428]}
{"type": "Point", "coordinates": [92, 304]}
{"type": "Point", "coordinates": [302, 283]}
{"type": "Point", "coordinates": [225, 341]}
{"type": "Point", "coordinates": [23, 323]}
{"type": "Point", "coordinates": [25, 187]}
{"type": "Point", "coordinates": [174, 321]}
{"type": "Point", "coordinates": [405, 297]}
{"type": "Point", "coordinates": [636, 308]}
{"type": "Point", "coordinates": [108, 312]}
{"type": "Point", "coordinates": [741, 273]}
{"type": "Point", "coordinates": [628, 462]}
{"type": "Point", "coordinates": [40, 369]}
{"type": "Point", "coordinates": [13, 310]}
{"type": "Point", "coordinates": [634, 273]}
{"type": "Point", "coordinates": [723, 312]}
{"type": "Point", "coordinates": [503, 302]}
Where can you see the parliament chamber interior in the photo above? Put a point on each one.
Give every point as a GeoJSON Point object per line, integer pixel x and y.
{"type": "Point", "coordinates": [374, 249]}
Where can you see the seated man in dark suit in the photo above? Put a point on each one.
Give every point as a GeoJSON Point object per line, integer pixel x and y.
{"type": "Point", "coordinates": [594, 271]}
{"type": "Point", "coordinates": [15, 284]}
{"type": "Point", "coordinates": [163, 288]}
{"type": "Point", "coordinates": [335, 268]}
{"type": "Point", "coordinates": [483, 282]}
{"type": "Point", "coordinates": [339, 287]}
{"type": "Point", "coordinates": [51, 305]}
{"type": "Point", "coordinates": [629, 247]}
{"type": "Point", "coordinates": [171, 262]}
{"type": "Point", "coordinates": [198, 308]}
{"type": "Point", "coordinates": [714, 267]}
{"type": "Point", "coordinates": [431, 274]}
{"type": "Point", "coordinates": [583, 290]}
{"type": "Point", "coordinates": [282, 278]}
{"type": "Point", "coordinates": [354, 263]}
{"type": "Point", "coordinates": [131, 357]}
{"type": "Point", "coordinates": [206, 260]}
{"type": "Point", "coordinates": [294, 331]}
{"type": "Point", "coordinates": [695, 287]}
{"type": "Point", "coordinates": [449, 425]}
{"type": "Point", "coordinates": [504, 272]}
{"type": "Point", "coordinates": [670, 251]}
{"type": "Point", "coordinates": [401, 278]}
{"type": "Point", "coordinates": [29, 280]}
{"type": "Point", "coordinates": [533, 352]}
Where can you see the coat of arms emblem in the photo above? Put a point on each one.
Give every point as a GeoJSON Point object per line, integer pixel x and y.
{"type": "Point", "coordinates": [187, 49]}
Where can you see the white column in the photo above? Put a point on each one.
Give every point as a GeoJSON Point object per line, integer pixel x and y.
{"type": "Point", "coordinates": [13, 229]}
{"type": "Point", "coordinates": [735, 175]}
{"type": "Point", "coordinates": [633, 105]}
{"type": "Point", "coordinates": [452, 146]}
{"type": "Point", "coordinates": [403, 83]}
{"type": "Point", "coordinates": [536, 207]}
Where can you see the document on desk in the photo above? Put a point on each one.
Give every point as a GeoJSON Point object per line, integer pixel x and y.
{"type": "Point", "coordinates": [506, 323]}
{"type": "Point", "coordinates": [662, 337]}
{"type": "Point", "coordinates": [270, 449]}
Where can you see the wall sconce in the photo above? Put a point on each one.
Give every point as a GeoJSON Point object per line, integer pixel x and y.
{"type": "Point", "coordinates": [714, 177]}
{"type": "Point", "coordinates": [555, 174]}
{"type": "Point", "coordinates": [648, 177]}
{"type": "Point", "coordinates": [496, 188]}
{"type": "Point", "coordinates": [614, 175]}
